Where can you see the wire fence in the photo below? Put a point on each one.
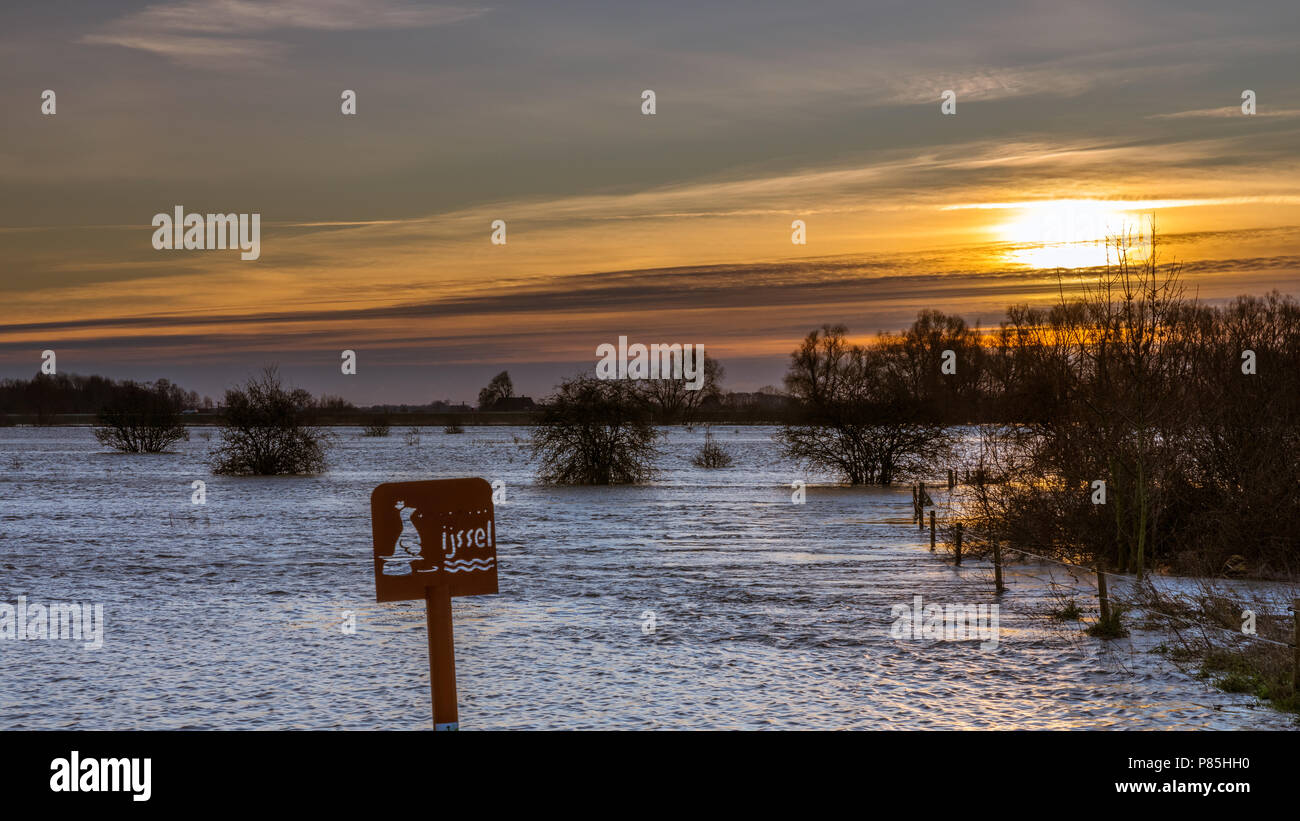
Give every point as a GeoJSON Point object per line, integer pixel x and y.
{"type": "Point", "coordinates": [921, 497]}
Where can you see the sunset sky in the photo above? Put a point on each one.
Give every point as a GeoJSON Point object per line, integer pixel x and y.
{"type": "Point", "coordinates": [1072, 119]}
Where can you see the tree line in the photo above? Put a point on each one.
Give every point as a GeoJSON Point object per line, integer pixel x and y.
{"type": "Point", "coordinates": [47, 395]}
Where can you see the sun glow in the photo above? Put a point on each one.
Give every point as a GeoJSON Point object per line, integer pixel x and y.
{"type": "Point", "coordinates": [1063, 233]}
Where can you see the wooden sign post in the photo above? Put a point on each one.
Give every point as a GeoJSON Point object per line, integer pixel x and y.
{"type": "Point", "coordinates": [434, 540]}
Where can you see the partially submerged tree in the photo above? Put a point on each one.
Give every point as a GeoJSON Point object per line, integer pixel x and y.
{"type": "Point", "coordinates": [857, 415]}
{"type": "Point", "coordinates": [141, 418]}
{"type": "Point", "coordinates": [267, 430]}
{"type": "Point", "coordinates": [594, 432]}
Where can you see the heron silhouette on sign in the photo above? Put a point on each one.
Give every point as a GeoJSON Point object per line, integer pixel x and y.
{"type": "Point", "coordinates": [408, 553]}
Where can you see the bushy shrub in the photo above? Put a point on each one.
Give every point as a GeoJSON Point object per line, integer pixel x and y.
{"type": "Point", "coordinates": [267, 430]}
{"type": "Point", "coordinates": [140, 419]}
{"type": "Point", "coordinates": [594, 432]}
{"type": "Point", "coordinates": [711, 455]}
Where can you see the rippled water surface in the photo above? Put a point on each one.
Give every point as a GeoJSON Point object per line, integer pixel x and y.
{"type": "Point", "coordinates": [767, 614]}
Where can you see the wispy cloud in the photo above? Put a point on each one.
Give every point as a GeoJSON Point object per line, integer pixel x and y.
{"type": "Point", "coordinates": [744, 307]}
{"type": "Point", "coordinates": [210, 33]}
{"type": "Point", "coordinates": [1127, 205]}
{"type": "Point", "coordinates": [1224, 112]}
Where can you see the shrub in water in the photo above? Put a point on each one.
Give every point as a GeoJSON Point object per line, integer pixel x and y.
{"type": "Point", "coordinates": [140, 419]}
{"type": "Point", "coordinates": [594, 432]}
{"type": "Point", "coordinates": [267, 430]}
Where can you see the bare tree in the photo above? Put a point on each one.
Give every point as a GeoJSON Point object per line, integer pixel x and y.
{"type": "Point", "coordinates": [671, 402]}
{"type": "Point", "coordinates": [917, 355]}
{"type": "Point", "coordinates": [1126, 351]}
{"type": "Point", "coordinates": [857, 414]}
{"type": "Point", "coordinates": [1115, 362]}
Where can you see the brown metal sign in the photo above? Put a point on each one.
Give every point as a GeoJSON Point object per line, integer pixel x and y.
{"type": "Point", "coordinates": [434, 540]}
{"type": "Point", "coordinates": [433, 533]}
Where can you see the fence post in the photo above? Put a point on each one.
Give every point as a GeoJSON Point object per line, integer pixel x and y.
{"type": "Point", "coordinates": [1102, 595]}
{"type": "Point", "coordinates": [1295, 638]}
{"type": "Point", "coordinates": [914, 501]}
{"type": "Point", "coordinates": [920, 507]}
{"type": "Point", "coordinates": [932, 531]}
{"type": "Point", "coordinates": [997, 567]}
{"type": "Point", "coordinates": [957, 544]}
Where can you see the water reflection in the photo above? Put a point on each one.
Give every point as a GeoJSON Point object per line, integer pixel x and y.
{"type": "Point", "coordinates": [766, 614]}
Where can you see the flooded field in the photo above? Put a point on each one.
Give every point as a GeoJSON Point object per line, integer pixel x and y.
{"type": "Point", "coordinates": [230, 615]}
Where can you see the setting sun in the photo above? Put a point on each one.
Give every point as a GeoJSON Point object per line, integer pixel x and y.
{"type": "Point", "coordinates": [1063, 233]}
{"type": "Point", "coordinates": [1064, 221]}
